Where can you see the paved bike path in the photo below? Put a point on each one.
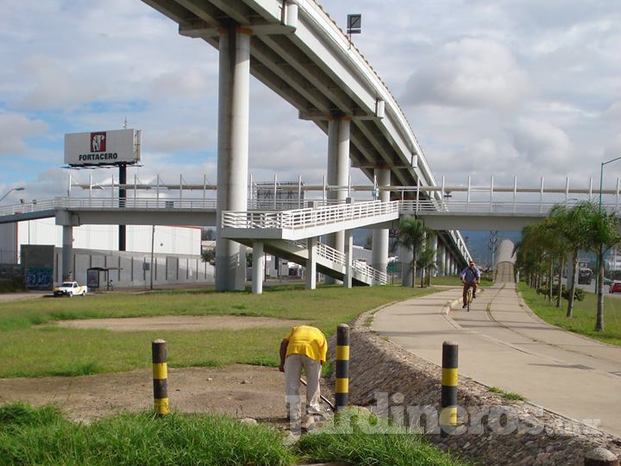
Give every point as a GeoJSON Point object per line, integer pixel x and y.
{"type": "Point", "coordinates": [502, 344]}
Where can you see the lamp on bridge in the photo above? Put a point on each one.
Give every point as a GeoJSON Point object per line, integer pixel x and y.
{"type": "Point", "coordinates": [19, 188]}
{"type": "Point", "coordinates": [354, 25]}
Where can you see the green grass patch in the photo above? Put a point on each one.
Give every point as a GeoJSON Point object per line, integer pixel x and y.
{"type": "Point", "coordinates": [511, 396]}
{"type": "Point", "coordinates": [42, 436]}
{"type": "Point", "coordinates": [32, 350]}
{"type": "Point", "coordinates": [583, 321]}
{"type": "Point", "coordinates": [368, 442]}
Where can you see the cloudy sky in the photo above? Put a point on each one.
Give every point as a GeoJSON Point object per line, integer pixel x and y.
{"type": "Point", "coordinates": [499, 88]}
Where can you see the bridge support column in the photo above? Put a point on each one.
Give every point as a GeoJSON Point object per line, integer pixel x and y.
{"type": "Point", "coordinates": [67, 254]}
{"type": "Point", "coordinates": [349, 258]}
{"type": "Point", "coordinates": [233, 114]}
{"type": "Point", "coordinates": [338, 169]}
{"type": "Point", "coordinates": [434, 247]}
{"type": "Point", "coordinates": [311, 264]}
{"type": "Point", "coordinates": [441, 259]}
{"type": "Point", "coordinates": [405, 257]}
{"type": "Point", "coordinates": [258, 267]}
{"type": "Point", "coordinates": [380, 236]}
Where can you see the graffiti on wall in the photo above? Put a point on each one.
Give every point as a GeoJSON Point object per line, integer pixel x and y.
{"type": "Point", "coordinates": [39, 278]}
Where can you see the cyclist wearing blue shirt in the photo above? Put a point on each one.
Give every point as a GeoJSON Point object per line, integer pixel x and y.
{"type": "Point", "coordinates": [470, 277]}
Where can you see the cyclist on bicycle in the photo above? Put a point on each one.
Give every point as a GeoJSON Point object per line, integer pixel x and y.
{"type": "Point", "coordinates": [470, 277]}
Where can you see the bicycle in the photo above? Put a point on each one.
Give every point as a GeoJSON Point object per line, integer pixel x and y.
{"type": "Point", "coordinates": [469, 297]}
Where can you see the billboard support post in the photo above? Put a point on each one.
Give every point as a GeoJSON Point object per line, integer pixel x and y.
{"type": "Point", "coordinates": [122, 201]}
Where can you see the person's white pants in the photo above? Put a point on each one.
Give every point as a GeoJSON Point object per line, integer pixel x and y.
{"type": "Point", "coordinates": [293, 370]}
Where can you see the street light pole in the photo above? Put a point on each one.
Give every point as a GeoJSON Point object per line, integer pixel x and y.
{"type": "Point", "coordinates": [601, 178]}
{"type": "Point", "coordinates": [601, 184]}
{"type": "Point", "coordinates": [19, 188]}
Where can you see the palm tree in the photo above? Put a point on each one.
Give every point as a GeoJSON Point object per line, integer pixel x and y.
{"type": "Point", "coordinates": [528, 255]}
{"type": "Point", "coordinates": [425, 262]}
{"type": "Point", "coordinates": [575, 224]}
{"type": "Point", "coordinates": [604, 235]}
{"type": "Point", "coordinates": [550, 233]}
{"type": "Point", "coordinates": [412, 234]}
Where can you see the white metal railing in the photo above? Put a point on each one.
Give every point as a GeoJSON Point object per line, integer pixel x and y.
{"type": "Point", "coordinates": [285, 214]}
{"type": "Point", "coordinates": [108, 203]}
{"type": "Point", "coordinates": [361, 270]}
{"type": "Point", "coordinates": [486, 207]}
{"type": "Point", "coordinates": [309, 217]}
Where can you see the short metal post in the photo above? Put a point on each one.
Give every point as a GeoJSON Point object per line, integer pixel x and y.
{"type": "Point", "coordinates": [160, 377]}
{"type": "Point", "coordinates": [448, 404]}
{"type": "Point", "coordinates": [341, 392]}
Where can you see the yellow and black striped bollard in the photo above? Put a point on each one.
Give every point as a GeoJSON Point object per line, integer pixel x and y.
{"type": "Point", "coordinates": [448, 413]}
{"type": "Point", "coordinates": [341, 394]}
{"type": "Point", "coordinates": [160, 377]}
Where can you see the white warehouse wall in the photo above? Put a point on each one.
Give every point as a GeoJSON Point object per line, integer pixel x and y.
{"type": "Point", "coordinates": [168, 240]}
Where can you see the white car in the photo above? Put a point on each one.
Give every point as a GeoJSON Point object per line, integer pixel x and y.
{"type": "Point", "coordinates": [70, 289]}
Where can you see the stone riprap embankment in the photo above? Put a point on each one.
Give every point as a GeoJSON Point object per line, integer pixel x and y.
{"type": "Point", "coordinates": [397, 384]}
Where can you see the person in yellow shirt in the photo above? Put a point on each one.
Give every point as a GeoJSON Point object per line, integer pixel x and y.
{"type": "Point", "coordinates": [305, 347]}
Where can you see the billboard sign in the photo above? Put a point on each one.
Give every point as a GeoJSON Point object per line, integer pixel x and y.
{"type": "Point", "coordinates": [114, 147]}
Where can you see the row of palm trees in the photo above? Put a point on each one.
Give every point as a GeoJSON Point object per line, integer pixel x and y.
{"type": "Point", "coordinates": [546, 246]}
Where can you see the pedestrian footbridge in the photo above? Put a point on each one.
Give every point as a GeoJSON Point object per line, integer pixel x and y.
{"type": "Point", "coordinates": [309, 222]}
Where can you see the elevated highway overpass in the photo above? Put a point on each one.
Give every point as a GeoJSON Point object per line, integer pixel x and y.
{"type": "Point", "coordinates": [298, 51]}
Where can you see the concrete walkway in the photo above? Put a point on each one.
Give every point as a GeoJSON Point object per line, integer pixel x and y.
{"type": "Point", "coordinates": [6, 297]}
{"type": "Point", "coordinates": [502, 344]}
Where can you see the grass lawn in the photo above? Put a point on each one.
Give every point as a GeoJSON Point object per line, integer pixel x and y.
{"type": "Point", "coordinates": [583, 321]}
{"type": "Point", "coordinates": [43, 436]}
{"type": "Point", "coordinates": [31, 350]}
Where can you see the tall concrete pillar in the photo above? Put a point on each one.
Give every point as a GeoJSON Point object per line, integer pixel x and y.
{"type": "Point", "coordinates": [233, 114]}
{"type": "Point", "coordinates": [434, 247]}
{"type": "Point", "coordinates": [379, 258]}
{"type": "Point", "coordinates": [67, 253]}
{"type": "Point", "coordinates": [338, 169]}
{"type": "Point", "coordinates": [441, 259]}
{"type": "Point", "coordinates": [311, 264]}
{"type": "Point", "coordinates": [349, 258]}
{"type": "Point", "coordinates": [405, 258]}
{"type": "Point", "coordinates": [258, 267]}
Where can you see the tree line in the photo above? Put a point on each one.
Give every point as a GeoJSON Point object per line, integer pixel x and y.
{"type": "Point", "coordinates": [546, 247]}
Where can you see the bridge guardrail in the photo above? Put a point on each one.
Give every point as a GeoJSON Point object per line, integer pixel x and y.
{"type": "Point", "coordinates": [361, 270]}
{"type": "Point", "coordinates": [107, 203]}
{"type": "Point", "coordinates": [309, 217]}
{"type": "Point", "coordinates": [483, 207]}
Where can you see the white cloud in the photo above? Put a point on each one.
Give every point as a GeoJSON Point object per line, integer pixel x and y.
{"type": "Point", "coordinates": [15, 129]}
{"type": "Point", "coordinates": [471, 73]}
{"type": "Point", "coordinates": [541, 144]}
{"type": "Point", "coordinates": [499, 88]}
{"type": "Point", "coordinates": [54, 86]}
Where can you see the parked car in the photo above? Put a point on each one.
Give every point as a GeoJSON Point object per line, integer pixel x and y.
{"type": "Point", "coordinates": [615, 287]}
{"type": "Point", "coordinates": [70, 289]}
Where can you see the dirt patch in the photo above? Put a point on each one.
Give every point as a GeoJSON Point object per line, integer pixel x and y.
{"type": "Point", "coordinates": [239, 391]}
{"type": "Point", "coordinates": [186, 323]}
